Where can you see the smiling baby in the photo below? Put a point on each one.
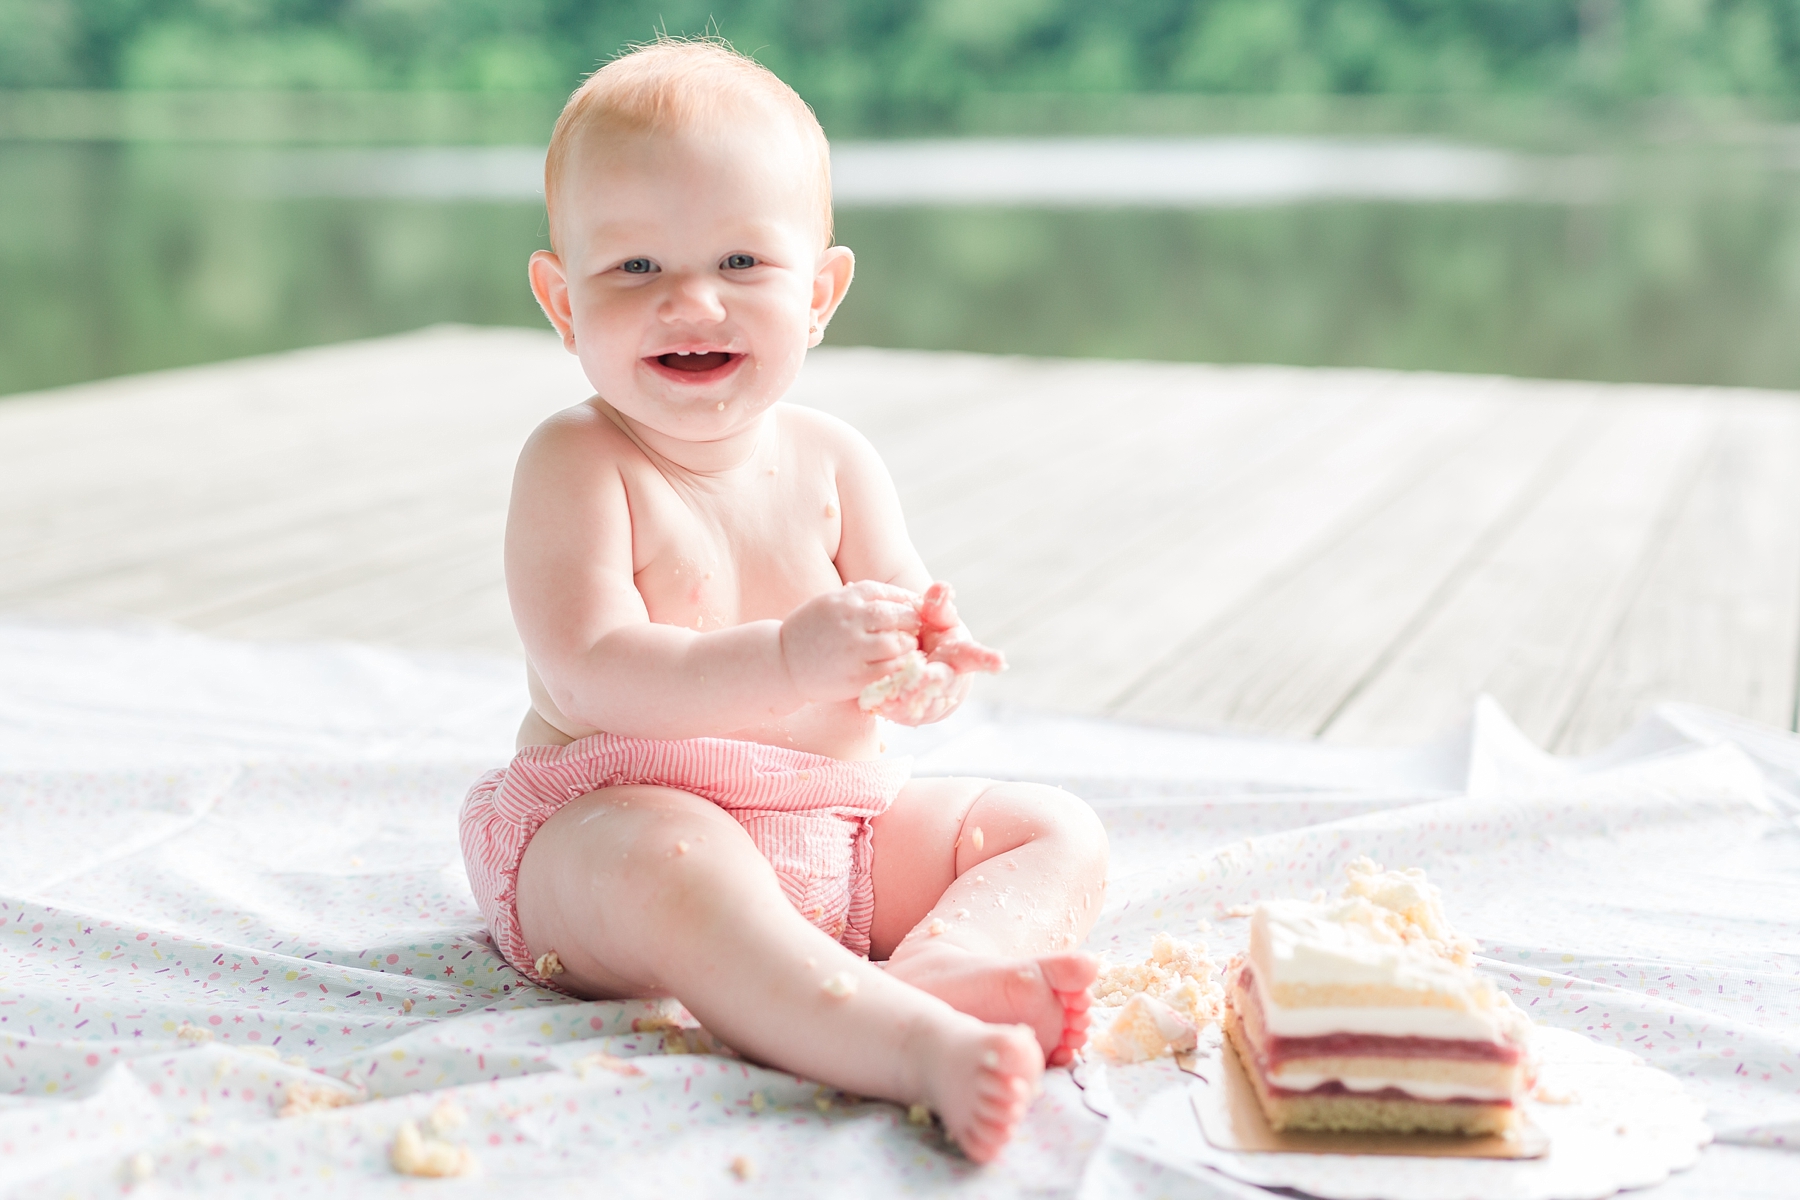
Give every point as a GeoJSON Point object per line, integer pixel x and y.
{"type": "Point", "coordinates": [705, 580]}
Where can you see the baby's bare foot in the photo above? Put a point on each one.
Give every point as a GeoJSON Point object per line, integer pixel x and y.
{"type": "Point", "coordinates": [980, 1079]}
{"type": "Point", "coordinates": [1049, 993]}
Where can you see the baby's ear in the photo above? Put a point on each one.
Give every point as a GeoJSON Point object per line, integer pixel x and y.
{"type": "Point", "coordinates": [837, 265]}
{"type": "Point", "coordinates": [551, 287]}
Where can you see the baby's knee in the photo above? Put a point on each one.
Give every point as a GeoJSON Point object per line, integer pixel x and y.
{"type": "Point", "coordinates": [1052, 812]}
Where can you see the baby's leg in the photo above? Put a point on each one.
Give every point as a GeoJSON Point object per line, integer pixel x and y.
{"type": "Point", "coordinates": [982, 891]}
{"type": "Point", "coordinates": [652, 891]}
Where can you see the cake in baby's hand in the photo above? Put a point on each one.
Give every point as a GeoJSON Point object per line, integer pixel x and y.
{"type": "Point", "coordinates": [925, 677]}
{"type": "Point", "coordinates": [1363, 1013]}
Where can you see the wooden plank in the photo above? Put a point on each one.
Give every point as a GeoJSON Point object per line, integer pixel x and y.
{"type": "Point", "coordinates": [1097, 631]}
{"type": "Point", "coordinates": [1714, 622]}
{"type": "Point", "coordinates": [1528, 622]}
{"type": "Point", "coordinates": [1287, 658]}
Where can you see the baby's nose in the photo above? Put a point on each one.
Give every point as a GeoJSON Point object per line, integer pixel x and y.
{"type": "Point", "coordinates": [692, 297]}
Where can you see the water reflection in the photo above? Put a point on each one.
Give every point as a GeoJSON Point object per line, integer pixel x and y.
{"type": "Point", "coordinates": [124, 258]}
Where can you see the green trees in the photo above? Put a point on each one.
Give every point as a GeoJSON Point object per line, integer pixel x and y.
{"type": "Point", "coordinates": [877, 60]}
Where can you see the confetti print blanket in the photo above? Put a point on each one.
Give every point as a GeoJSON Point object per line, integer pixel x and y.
{"type": "Point", "coordinates": [228, 872]}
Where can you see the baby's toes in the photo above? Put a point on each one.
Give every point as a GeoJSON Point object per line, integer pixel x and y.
{"type": "Point", "coordinates": [1069, 973]}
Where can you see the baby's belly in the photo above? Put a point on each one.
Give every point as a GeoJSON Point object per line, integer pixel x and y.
{"type": "Point", "coordinates": [838, 730]}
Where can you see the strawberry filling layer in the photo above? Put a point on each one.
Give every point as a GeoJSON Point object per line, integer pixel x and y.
{"type": "Point", "coordinates": [1277, 1050]}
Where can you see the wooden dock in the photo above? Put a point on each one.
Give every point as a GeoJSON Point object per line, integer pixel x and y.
{"type": "Point", "coordinates": [1346, 554]}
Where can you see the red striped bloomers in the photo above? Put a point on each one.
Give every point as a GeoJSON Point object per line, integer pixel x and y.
{"type": "Point", "coordinates": [809, 815]}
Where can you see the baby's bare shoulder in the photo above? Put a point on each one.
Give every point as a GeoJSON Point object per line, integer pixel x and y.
{"type": "Point", "coordinates": [833, 440]}
{"type": "Point", "coordinates": [581, 438]}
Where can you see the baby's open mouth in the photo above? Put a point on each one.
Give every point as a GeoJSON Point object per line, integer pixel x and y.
{"type": "Point", "coordinates": [708, 360]}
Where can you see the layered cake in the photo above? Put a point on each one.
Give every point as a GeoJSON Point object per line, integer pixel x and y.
{"type": "Point", "coordinates": [1364, 1013]}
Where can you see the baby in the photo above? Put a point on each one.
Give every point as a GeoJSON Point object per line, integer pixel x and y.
{"type": "Point", "coordinates": [705, 580]}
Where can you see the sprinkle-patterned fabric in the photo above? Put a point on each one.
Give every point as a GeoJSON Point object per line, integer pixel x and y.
{"type": "Point", "coordinates": [228, 869]}
{"type": "Point", "coordinates": [809, 815]}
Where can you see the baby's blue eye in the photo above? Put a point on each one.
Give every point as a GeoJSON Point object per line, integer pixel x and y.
{"type": "Point", "coordinates": [739, 262]}
{"type": "Point", "coordinates": [637, 266]}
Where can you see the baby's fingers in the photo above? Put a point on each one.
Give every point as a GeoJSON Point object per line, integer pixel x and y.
{"type": "Point", "coordinates": [937, 607]}
{"type": "Point", "coordinates": [881, 615]}
{"type": "Point", "coordinates": [965, 654]}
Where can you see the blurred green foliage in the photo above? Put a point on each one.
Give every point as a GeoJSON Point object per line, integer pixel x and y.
{"type": "Point", "coordinates": [904, 63]}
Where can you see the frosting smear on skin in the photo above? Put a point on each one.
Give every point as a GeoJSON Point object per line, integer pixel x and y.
{"type": "Point", "coordinates": [1365, 1012]}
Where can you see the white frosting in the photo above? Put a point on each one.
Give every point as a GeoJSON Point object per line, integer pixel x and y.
{"type": "Point", "coordinates": [1479, 1025]}
{"type": "Point", "coordinates": [1306, 1081]}
{"type": "Point", "coordinates": [1387, 932]}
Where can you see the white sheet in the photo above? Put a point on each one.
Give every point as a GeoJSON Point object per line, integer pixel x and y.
{"type": "Point", "coordinates": [259, 841]}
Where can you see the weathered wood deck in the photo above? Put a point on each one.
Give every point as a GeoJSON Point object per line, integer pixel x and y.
{"type": "Point", "coordinates": [1349, 554]}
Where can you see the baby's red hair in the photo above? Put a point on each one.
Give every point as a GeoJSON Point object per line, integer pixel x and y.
{"type": "Point", "coordinates": [675, 84]}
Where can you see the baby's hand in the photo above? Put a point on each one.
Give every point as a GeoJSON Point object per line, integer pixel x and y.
{"type": "Point", "coordinates": [836, 644]}
{"type": "Point", "coordinates": [929, 685]}
{"type": "Point", "coordinates": [943, 638]}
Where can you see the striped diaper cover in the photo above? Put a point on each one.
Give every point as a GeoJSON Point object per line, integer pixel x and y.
{"type": "Point", "coordinates": [810, 816]}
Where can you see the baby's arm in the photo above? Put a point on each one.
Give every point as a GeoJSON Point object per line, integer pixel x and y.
{"type": "Point", "coordinates": [569, 574]}
{"type": "Point", "coordinates": [874, 545]}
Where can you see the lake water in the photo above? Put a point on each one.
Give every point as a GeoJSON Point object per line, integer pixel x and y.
{"type": "Point", "coordinates": [1662, 264]}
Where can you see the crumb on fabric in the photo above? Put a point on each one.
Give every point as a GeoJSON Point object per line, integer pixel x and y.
{"type": "Point", "coordinates": [548, 965]}
{"type": "Point", "coordinates": [406, 1005]}
{"type": "Point", "coordinates": [599, 1061]}
{"type": "Point", "coordinates": [1162, 1002]}
{"type": "Point", "coordinates": [302, 1098]}
{"type": "Point", "coordinates": [423, 1157]}
{"type": "Point", "coordinates": [742, 1167]}
{"type": "Point", "coordinates": [757, 1103]}
{"type": "Point", "coordinates": [660, 1023]}
{"type": "Point", "coordinates": [193, 1035]}
{"type": "Point", "coordinates": [840, 986]}
{"type": "Point", "coordinates": [1146, 1028]}
{"type": "Point", "coordinates": [446, 1116]}
{"type": "Point", "coordinates": [822, 1102]}
{"type": "Point", "coordinates": [1548, 1093]}
{"type": "Point", "coordinates": [918, 1114]}
{"type": "Point", "coordinates": [1240, 911]}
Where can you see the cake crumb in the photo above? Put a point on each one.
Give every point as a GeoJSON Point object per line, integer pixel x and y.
{"type": "Point", "coordinates": [822, 1102]}
{"type": "Point", "coordinates": [1146, 1028]}
{"type": "Point", "coordinates": [140, 1167]}
{"type": "Point", "coordinates": [918, 1114]}
{"type": "Point", "coordinates": [1240, 911]}
{"type": "Point", "coordinates": [406, 1005]}
{"type": "Point", "coordinates": [1178, 974]}
{"type": "Point", "coordinates": [839, 986]}
{"type": "Point", "coordinates": [937, 928]}
{"type": "Point", "coordinates": [660, 1023]}
{"type": "Point", "coordinates": [681, 847]}
{"type": "Point", "coordinates": [446, 1116]}
{"type": "Point", "coordinates": [1549, 1093]}
{"type": "Point", "coordinates": [976, 839]}
{"type": "Point", "coordinates": [428, 1158]}
{"type": "Point", "coordinates": [302, 1098]}
{"type": "Point", "coordinates": [548, 966]}
{"type": "Point", "coordinates": [757, 1103]}
{"type": "Point", "coordinates": [742, 1167]}
{"type": "Point", "coordinates": [193, 1035]}
{"type": "Point", "coordinates": [599, 1061]}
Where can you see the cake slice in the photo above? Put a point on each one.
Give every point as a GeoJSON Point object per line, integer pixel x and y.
{"type": "Point", "coordinates": [1363, 1013]}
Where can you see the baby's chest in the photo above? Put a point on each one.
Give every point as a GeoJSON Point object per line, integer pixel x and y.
{"type": "Point", "coordinates": [708, 566]}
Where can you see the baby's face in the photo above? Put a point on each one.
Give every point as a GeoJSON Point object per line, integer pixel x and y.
{"type": "Point", "coordinates": [695, 271]}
